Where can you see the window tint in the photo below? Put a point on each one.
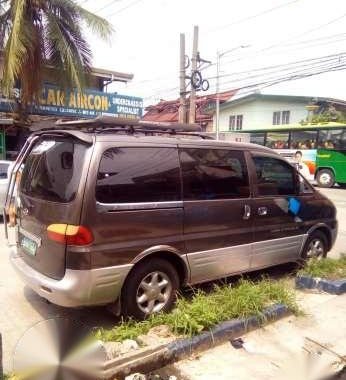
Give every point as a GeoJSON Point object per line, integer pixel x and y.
{"type": "Point", "coordinates": [130, 175]}
{"type": "Point", "coordinates": [213, 174]}
{"type": "Point", "coordinates": [3, 170]}
{"type": "Point", "coordinates": [257, 138]}
{"type": "Point", "coordinates": [332, 139]}
{"type": "Point", "coordinates": [277, 140]}
{"type": "Point", "coordinates": [52, 170]}
{"type": "Point", "coordinates": [274, 176]}
{"type": "Point", "coordinates": [303, 139]}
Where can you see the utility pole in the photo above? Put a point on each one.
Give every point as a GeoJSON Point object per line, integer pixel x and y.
{"type": "Point", "coordinates": [219, 55]}
{"type": "Point", "coordinates": [192, 111]}
{"type": "Point", "coordinates": [182, 77]}
{"type": "Point", "coordinates": [217, 115]}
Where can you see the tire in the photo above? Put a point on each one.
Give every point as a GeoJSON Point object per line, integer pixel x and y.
{"type": "Point", "coordinates": [342, 185]}
{"type": "Point", "coordinates": [325, 178]}
{"type": "Point", "coordinates": [316, 246]}
{"type": "Point", "coordinates": [140, 299]}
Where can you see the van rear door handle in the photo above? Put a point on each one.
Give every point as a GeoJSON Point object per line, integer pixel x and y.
{"type": "Point", "coordinates": [247, 212]}
{"type": "Point", "coordinates": [262, 211]}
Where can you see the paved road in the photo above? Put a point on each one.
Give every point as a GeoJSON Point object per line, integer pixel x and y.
{"type": "Point", "coordinates": [20, 308]}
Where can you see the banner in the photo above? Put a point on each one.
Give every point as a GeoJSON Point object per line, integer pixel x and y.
{"type": "Point", "coordinates": [88, 103]}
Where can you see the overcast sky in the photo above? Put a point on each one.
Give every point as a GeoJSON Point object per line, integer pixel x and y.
{"type": "Point", "coordinates": [146, 41]}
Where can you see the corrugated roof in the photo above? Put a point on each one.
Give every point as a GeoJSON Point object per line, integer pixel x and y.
{"type": "Point", "coordinates": [168, 110]}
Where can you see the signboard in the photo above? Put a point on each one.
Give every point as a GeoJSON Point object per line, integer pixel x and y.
{"type": "Point", "coordinates": [88, 103]}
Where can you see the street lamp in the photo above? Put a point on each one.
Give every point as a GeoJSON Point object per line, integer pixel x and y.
{"type": "Point", "coordinates": [220, 54]}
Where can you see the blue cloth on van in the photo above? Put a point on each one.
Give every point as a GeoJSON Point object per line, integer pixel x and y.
{"type": "Point", "coordinates": [293, 205]}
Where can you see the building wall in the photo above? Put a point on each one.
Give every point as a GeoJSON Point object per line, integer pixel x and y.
{"type": "Point", "coordinates": [259, 113]}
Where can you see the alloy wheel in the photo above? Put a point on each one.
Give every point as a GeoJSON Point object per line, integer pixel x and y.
{"type": "Point", "coordinates": [315, 249]}
{"type": "Point", "coordinates": [154, 292]}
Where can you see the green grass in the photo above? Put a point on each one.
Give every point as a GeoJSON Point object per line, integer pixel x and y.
{"type": "Point", "coordinates": [331, 269]}
{"type": "Point", "coordinates": [205, 310]}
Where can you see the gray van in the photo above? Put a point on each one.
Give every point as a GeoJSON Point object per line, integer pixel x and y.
{"type": "Point", "coordinates": [126, 213]}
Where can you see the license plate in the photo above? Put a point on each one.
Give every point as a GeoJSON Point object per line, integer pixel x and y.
{"type": "Point", "coordinates": [28, 245]}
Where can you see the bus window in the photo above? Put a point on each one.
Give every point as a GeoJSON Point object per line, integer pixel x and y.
{"type": "Point", "coordinates": [303, 139]}
{"type": "Point", "coordinates": [257, 138]}
{"type": "Point", "coordinates": [277, 140]}
{"type": "Point", "coordinates": [332, 139]}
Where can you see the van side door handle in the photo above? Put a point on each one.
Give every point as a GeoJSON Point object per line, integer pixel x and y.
{"type": "Point", "coordinates": [247, 212]}
{"type": "Point", "coordinates": [262, 211]}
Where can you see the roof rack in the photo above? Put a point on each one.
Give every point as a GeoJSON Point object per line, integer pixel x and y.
{"type": "Point", "coordinates": [109, 124]}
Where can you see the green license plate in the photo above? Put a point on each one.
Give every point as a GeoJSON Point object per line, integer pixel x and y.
{"type": "Point", "coordinates": [28, 245]}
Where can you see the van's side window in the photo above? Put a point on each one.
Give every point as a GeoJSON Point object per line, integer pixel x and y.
{"type": "Point", "coordinates": [213, 174]}
{"type": "Point", "coordinates": [274, 176]}
{"type": "Point", "coordinates": [132, 175]}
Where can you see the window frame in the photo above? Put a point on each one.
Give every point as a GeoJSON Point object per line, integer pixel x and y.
{"type": "Point", "coordinates": [108, 207]}
{"type": "Point", "coordinates": [232, 122]}
{"type": "Point", "coordinates": [287, 114]}
{"type": "Point", "coordinates": [213, 147]}
{"type": "Point", "coordinates": [239, 122]}
{"type": "Point", "coordinates": [254, 180]}
{"type": "Point", "coordinates": [276, 118]}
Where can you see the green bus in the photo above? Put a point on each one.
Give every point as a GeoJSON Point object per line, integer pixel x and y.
{"type": "Point", "coordinates": [322, 148]}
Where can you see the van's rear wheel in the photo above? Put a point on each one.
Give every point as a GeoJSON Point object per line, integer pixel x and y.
{"type": "Point", "coordinates": [325, 178]}
{"type": "Point", "coordinates": [315, 247]}
{"type": "Point", "coordinates": [150, 288]}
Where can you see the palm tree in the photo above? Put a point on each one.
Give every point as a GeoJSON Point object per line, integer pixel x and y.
{"type": "Point", "coordinates": [35, 34]}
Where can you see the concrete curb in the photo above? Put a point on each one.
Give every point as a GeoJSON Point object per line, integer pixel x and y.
{"type": "Point", "coordinates": [329, 286]}
{"type": "Point", "coordinates": [154, 359]}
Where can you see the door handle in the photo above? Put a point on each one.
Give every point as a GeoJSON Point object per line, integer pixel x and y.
{"type": "Point", "coordinates": [247, 212]}
{"type": "Point", "coordinates": [262, 211]}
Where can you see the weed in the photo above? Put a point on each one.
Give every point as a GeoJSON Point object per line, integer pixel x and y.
{"type": "Point", "coordinates": [331, 269]}
{"type": "Point", "coordinates": [205, 310]}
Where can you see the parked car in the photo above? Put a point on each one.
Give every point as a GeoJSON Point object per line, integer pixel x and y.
{"type": "Point", "coordinates": [5, 167]}
{"type": "Point", "coordinates": [127, 219]}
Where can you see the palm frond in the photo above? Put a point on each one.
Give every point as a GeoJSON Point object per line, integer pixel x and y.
{"type": "Point", "coordinates": [5, 26]}
{"type": "Point", "coordinates": [67, 49]}
{"type": "Point", "coordinates": [16, 46]}
{"type": "Point", "coordinates": [97, 24]}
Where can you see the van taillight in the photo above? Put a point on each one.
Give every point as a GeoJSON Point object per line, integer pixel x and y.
{"type": "Point", "coordinates": [70, 234]}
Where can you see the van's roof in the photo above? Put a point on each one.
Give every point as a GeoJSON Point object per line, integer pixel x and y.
{"type": "Point", "coordinates": [107, 128]}
{"type": "Point", "coordinates": [108, 136]}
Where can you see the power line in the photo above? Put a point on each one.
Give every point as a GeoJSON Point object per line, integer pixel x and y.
{"type": "Point", "coordinates": [289, 39]}
{"type": "Point", "coordinates": [324, 40]}
{"type": "Point", "coordinates": [107, 5]}
{"type": "Point", "coordinates": [306, 68]}
{"type": "Point", "coordinates": [253, 16]}
{"type": "Point", "coordinates": [124, 8]}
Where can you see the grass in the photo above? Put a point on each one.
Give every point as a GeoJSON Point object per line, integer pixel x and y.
{"type": "Point", "coordinates": [205, 310]}
{"type": "Point", "coordinates": [331, 269]}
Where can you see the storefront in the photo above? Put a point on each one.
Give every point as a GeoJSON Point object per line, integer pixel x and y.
{"type": "Point", "coordinates": [57, 104]}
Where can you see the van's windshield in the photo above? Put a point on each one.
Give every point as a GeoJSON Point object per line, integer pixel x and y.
{"type": "Point", "coordinates": [52, 171]}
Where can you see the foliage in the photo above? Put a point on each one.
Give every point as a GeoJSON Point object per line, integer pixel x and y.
{"type": "Point", "coordinates": [205, 310]}
{"type": "Point", "coordinates": [37, 33]}
{"type": "Point", "coordinates": [327, 268]}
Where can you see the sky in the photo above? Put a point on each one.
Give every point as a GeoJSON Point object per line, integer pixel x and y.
{"type": "Point", "coordinates": [146, 43]}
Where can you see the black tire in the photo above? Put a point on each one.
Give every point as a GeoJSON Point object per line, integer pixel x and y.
{"type": "Point", "coordinates": [317, 236]}
{"type": "Point", "coordinates": [342, 185]}
{"type": "Point", "coordinates": [133, 288]}
{"type": "Point", "coordinates": [325, 178]}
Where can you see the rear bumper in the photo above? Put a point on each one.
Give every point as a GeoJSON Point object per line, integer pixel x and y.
{"type": "Point", "coordinates": [78, 287]}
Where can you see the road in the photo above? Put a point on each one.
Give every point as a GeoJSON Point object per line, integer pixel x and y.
{"type": "Point", "coordinates": [21, 308]}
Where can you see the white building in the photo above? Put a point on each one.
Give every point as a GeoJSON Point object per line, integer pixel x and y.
{"type": "Point", "coordinates": [257, 110]}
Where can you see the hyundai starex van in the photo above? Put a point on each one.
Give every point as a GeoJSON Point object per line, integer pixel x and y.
{"type": "Point", "coordinates": [128, 215]}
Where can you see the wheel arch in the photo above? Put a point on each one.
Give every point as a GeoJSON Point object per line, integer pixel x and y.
{"type": "Point", "coordinates": [169, 254]}
{"type": "Point", "coordinates": [319, 168]}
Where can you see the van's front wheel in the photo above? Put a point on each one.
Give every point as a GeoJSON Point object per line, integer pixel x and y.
{"type": "Point", "coordinates": [150, 288]}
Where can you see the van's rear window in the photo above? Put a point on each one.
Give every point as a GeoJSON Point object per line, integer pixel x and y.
{"type": "Point", "coordinates": [52, 171]}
